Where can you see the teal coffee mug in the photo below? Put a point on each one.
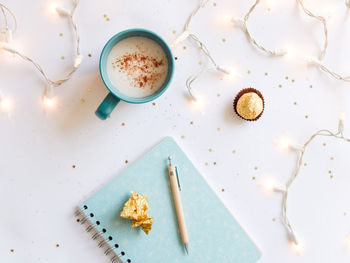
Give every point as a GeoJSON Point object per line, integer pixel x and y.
{"type": "Point", "coordinates": [115, 95]}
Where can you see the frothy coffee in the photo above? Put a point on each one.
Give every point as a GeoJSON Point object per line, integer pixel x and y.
{"type": "Point", "coordinates": [137, 67]}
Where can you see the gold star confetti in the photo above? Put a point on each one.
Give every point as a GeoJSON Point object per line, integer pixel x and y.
{"type": "Point", "coordinates": [219, 129]}
{"type": "Point", "coordinates": [206, 164]}
{"type": "Point", "coordinates": [273, 219]}
{"type": "Point", "coordinates": [182, 137]}
{"type": "Point", "coordinates": [191, 122]}
{"type": "Point", "coordinates": [107, 19]}
{"type": "Point", "coordinates": [305, 164]}
{"type": "Point", "coordinates": [57, 245]}
{"type": "Point", "coordinates": [306, 116]}
{"type": "Point", "coordinates": [210, 149]}
{"type": "Point", "coordinates": [184, 47]}
{"type": "Point", "coordinates": [324, 144]}
{"type": "Point", "coordinates": [286, 77]}
{"type": "Point", "coordinates": [89, 89]}
{"type": "Point", "coordinates": [123, 124]}
{"type": "Point", "coordinates": [104, 15]}
{"type": "Point", "coordinates": [218, 95]}
{"type": "Point", "coordinates": [214, 4]}
{"type": "Point", "coordinates": [214, 163]}
{"type": "Point", "coordinates": [295, 103]}
{"type": "Point", "coordinates": [73, 166]}
{"type": "Point", "coordinates": [174, 31]}
{"type": "Point", "coordinates": [253, 178]}
{"type": "Point", "coordinates": [280, 86]}
{"type": "Point", "coordinates": [61, 34]}
{"type": "Point", "coordinates": [62, 57]}
{"type": "Point", "coordinates": [331, 176]}
{"type": "Point", "coordinates": [266, 73]}
{"type": "Point", "coordinates": [293, 80]}
{"type": "Point", "coordinates": [329, 171]}
{"type": "Point", "coordinates": [224, 40]}
{"type": "Point", "coordinates": [249, 71]}
{"type": "Point", "coordinates": [82, 100]}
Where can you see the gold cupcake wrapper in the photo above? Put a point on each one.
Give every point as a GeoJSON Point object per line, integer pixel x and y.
{"type": "Point", "coordinates": [244, 91]}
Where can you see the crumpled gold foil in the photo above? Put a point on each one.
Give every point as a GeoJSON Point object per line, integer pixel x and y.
{"type": "Point", "coordinates": [136, 210]}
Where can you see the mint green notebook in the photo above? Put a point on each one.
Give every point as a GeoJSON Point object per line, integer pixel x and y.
{"type": "Point", "coordinates": [214, 234]}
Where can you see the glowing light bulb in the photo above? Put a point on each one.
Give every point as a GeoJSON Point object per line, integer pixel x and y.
{"type": "Point", "coordinates": [48, 102]}
{"type": "Point", "coordinates": [284, 144]}
{"type": "Point", "coordinates": [198, 104]}
{"type": "Point", "coordinates": [268, 185]}
{"type": "Point", "coordinates": [52, 9]}
{"type": "Point", "coordinates": [6, 104]}
{"type": "Point", "coordinates": [297, 247]}
{"type": "Point", "coordinates": [225, 20]}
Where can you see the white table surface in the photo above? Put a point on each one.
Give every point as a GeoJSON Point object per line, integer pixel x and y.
{"type": "Point", "coordinates": [39, 188]}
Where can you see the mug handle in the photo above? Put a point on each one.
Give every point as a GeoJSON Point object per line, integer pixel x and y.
{"type": "Point", "coordinates": [107, 106]}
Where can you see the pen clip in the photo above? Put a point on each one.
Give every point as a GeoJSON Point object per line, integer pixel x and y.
{"type": "Point", "coordinates": [177, 177]}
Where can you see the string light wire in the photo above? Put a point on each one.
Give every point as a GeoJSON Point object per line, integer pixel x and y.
{"type": "Point", "coordinates": [7, 45]}
{"type": "Point", "coordinates": [188, 34]}
{"type": "Point", "coordinates": [286, 188]}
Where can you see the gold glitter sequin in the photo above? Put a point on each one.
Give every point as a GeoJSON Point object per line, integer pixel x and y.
{"type": "Point", "coordinates": [174, 31]}
{"type": "Point", "coordinates": [234, 151]}
{"type": "Point", "coordinates": [256, 168]}
{"type": "Point", "coordinates": [273, 219]}
{"type": "Point", "coordinates": [253, 178]}
{"type": "Point", "coordinates": [104, 15]}
{"type": "Point", "coordinates": [306, 116]}
{"type": "Point", "coordinates": [293, 80]}
{"type": "Point", "coordinates": [123, 124]}
{"type": "Point", "coordinates": [62, 57]}
{"type": "Point", "coordinates": [210, 149]}
{"type": "Point", "coordinates": [280, 86]}
{"type": "Point", "coordinates": [206, 164]}
{"type": "Point", "coordinates": [136, 210]}
{"type": "Point", "coordinates": [153, 103]}
{"type": "Point", "coordinates": [310, 86]}
{"type": "Point", "coordinates": [331, 176]}
{"type": "Point", "coordinates": [191, 122]}
{"type": "Point", "coordinates": [89, 55]}
{"type": "Point", "coordinates": [295, 103]}
{"type": "Point", "coordinates": [266, 73]}
{"type": "Point", "coordinates": [332, 158]}
{"type": "Point", "coordinates": [305, 164]}
{"type": "Point", "coordinates": [286, 77]}
{"type": "Point", "coordinates": [324, 144]}
{"type": "Point", "coordinates": [182, 137]}
{"type": "Point", "coordinates": [61, 34]}
{"type": "Point", "coordinates": [249, 72]}
{"type": "Point", "coordinates": [184, 47]}
{"type": "Point", "coordinates": [89, 89]}
{"type": "Point", "coordinates": [329, 171]}
{"type": "Point", "coordinates": [224, 40]}
{"type": "Point", "coordinates": [219, 129]}
{"type": "Point", "coordinates": [82, 100]}
{"type": "Point", "coordinates": [218, 95]}
{"type": "Point", "coordinates": [200, 62]}
{"type": "Point", "coordinates": [214, 4]}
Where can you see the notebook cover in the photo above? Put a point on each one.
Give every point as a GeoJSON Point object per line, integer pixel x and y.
{"type": "Point", "coordinates": [214, 235]}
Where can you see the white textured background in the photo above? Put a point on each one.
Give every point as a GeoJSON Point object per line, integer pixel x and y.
{"type": "Point", "coordinates": [39, 188]}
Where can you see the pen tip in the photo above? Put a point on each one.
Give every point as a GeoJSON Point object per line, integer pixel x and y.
{"type": "Point", "coordinates": [186, 248]}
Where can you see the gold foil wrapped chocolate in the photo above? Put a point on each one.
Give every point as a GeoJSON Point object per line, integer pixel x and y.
{"type": "Point", "coordinates": [135, 209]}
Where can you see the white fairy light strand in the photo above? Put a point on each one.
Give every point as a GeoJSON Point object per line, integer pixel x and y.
{"type": "Point", "coordinates": [186, 34]}
{"type": "Point", "coordinates": [314, 61]}
{"type": "Point", "coordinates": [7, 45]}
{"type": "Point", "coordinates": [285, 188]}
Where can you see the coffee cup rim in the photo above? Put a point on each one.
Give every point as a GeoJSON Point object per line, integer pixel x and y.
{"type": "Point", "coordinates": [110, 44]}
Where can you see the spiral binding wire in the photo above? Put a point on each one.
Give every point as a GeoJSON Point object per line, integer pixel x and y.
{"type": "Point", "coordinates": [112, 250]}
